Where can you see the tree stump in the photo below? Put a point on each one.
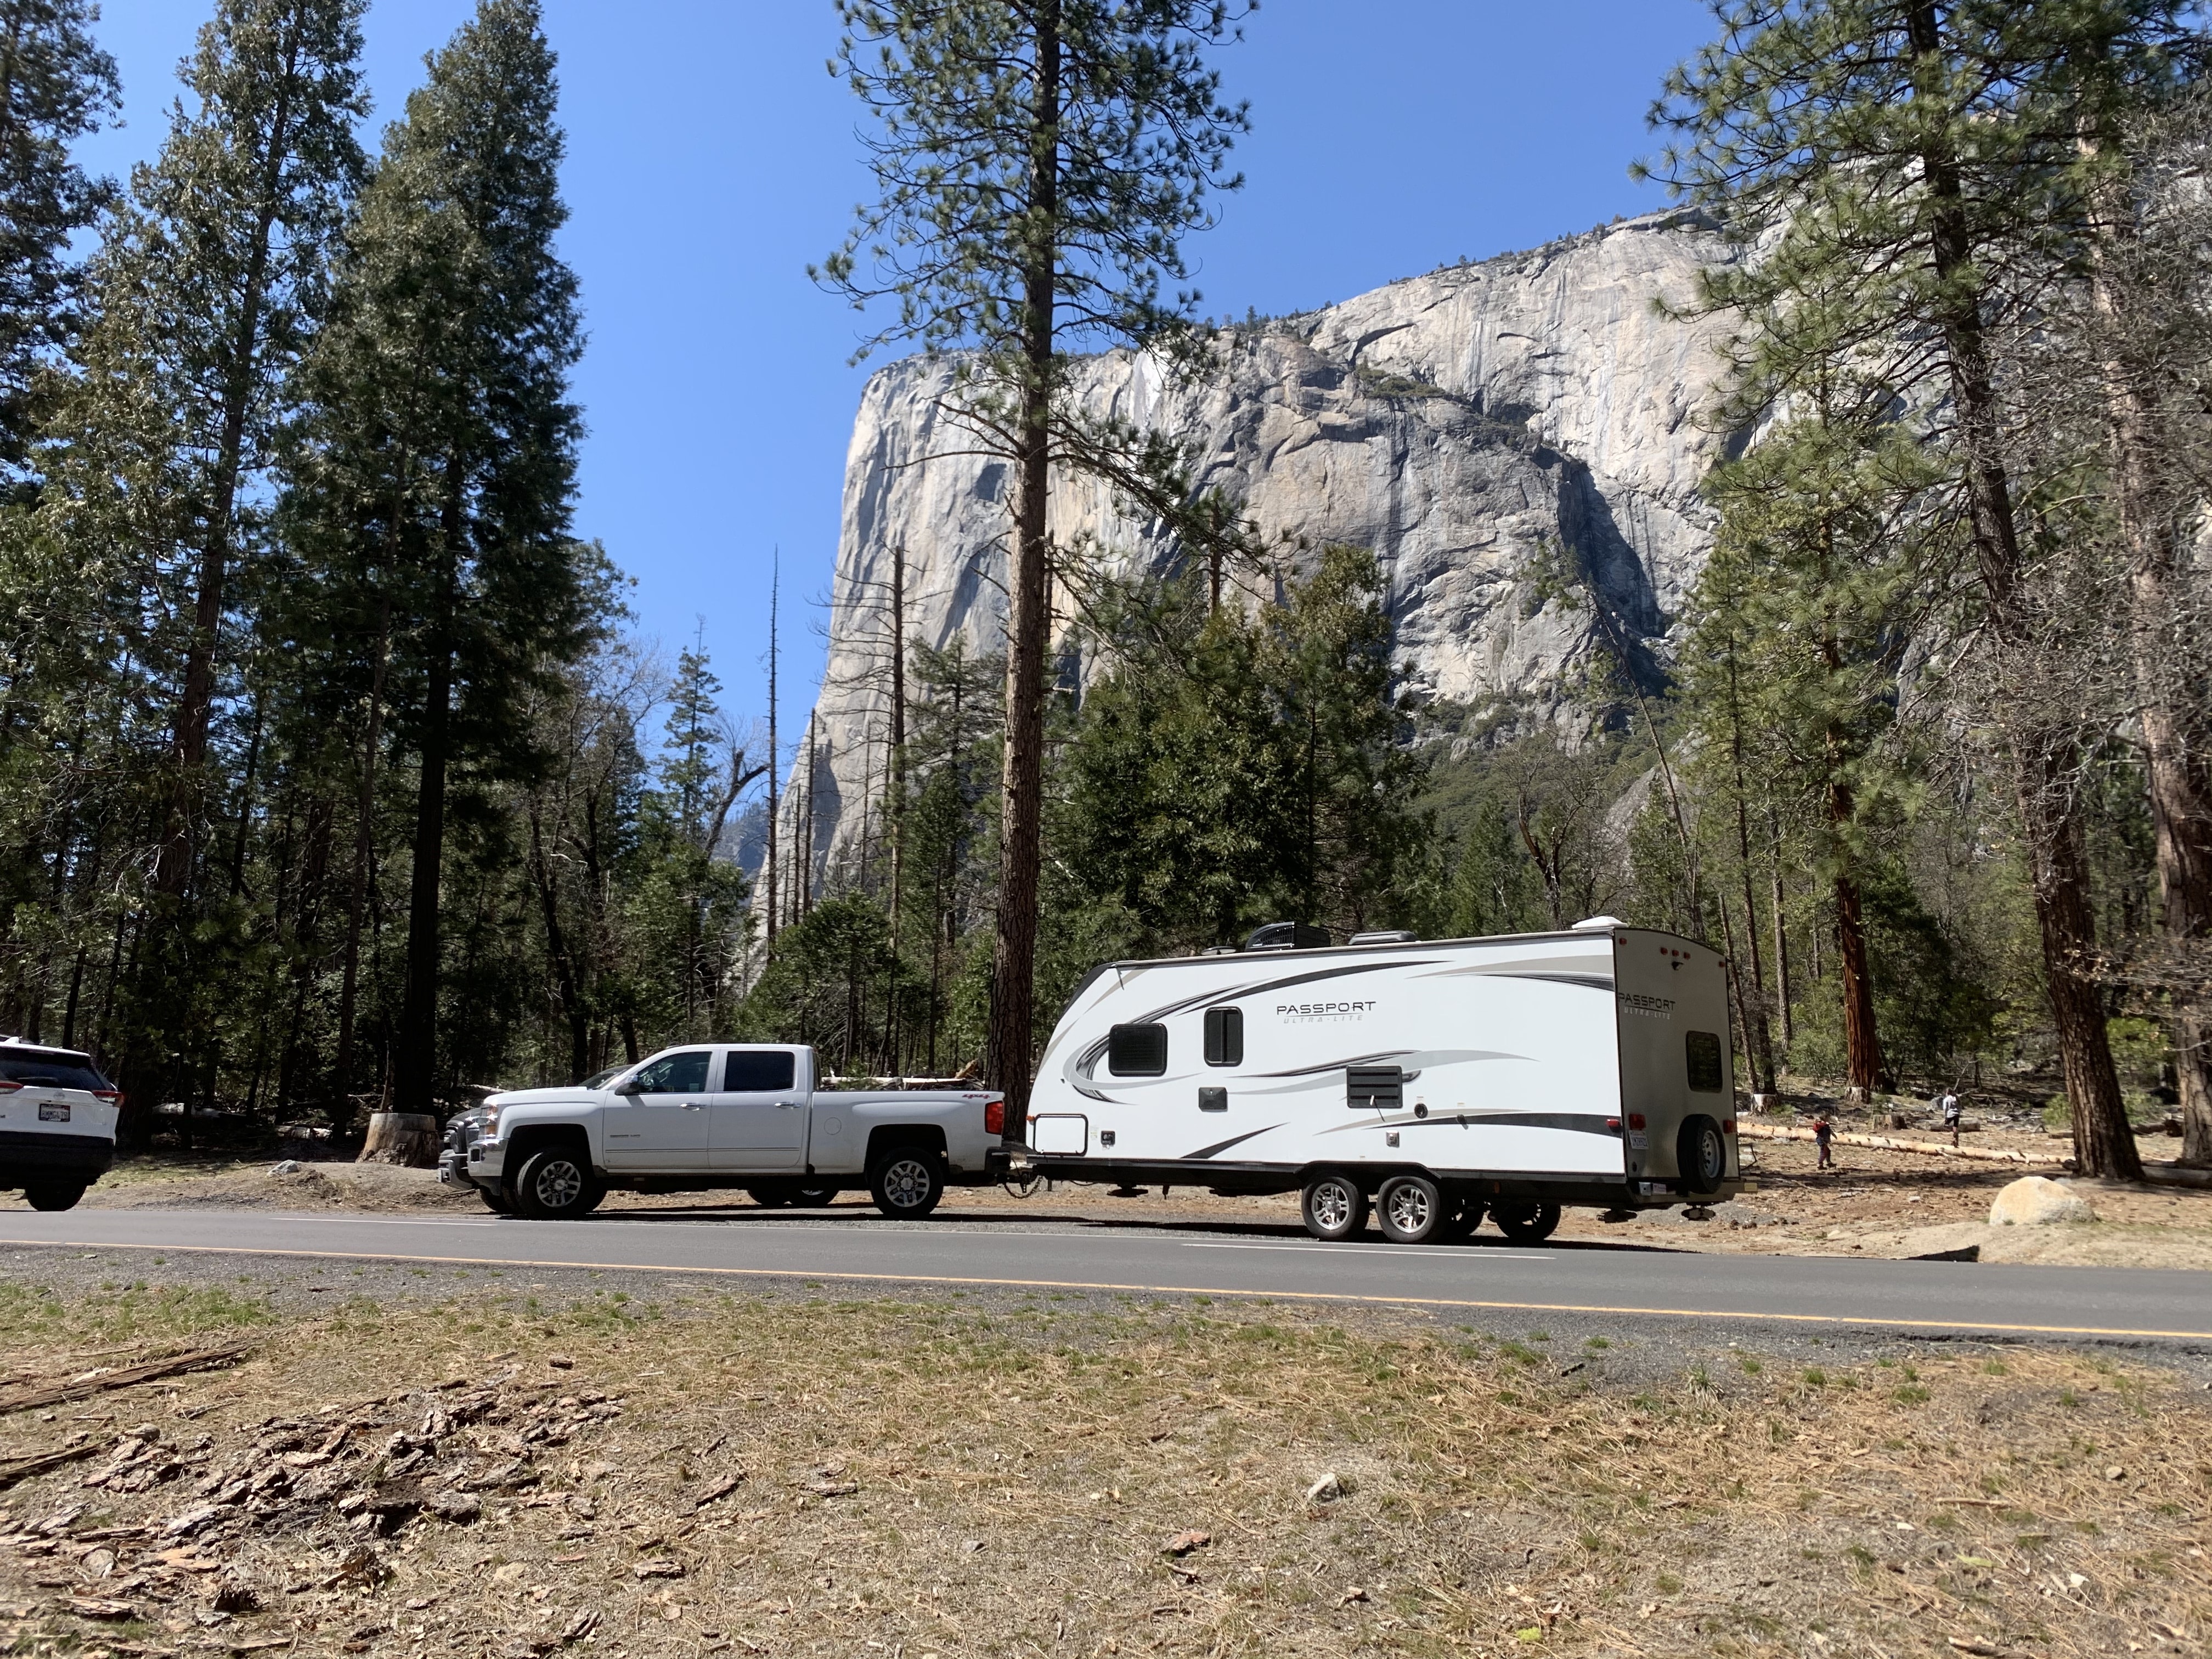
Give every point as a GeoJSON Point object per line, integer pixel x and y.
{"type": "Point", "coordinates": [407, 1138]}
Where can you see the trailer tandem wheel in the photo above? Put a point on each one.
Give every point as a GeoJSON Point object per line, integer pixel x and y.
{"type": "Point", "coordinates": [1333, 1206]}
{"type": "Point", "coordinates": [1412, 1210]}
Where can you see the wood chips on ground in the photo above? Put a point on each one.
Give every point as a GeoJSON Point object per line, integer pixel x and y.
{"type": "Point", "coordinates": [918, 1475]}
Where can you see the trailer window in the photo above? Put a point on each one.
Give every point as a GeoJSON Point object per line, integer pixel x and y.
{"type": "Point", "coordinates": [1224, 1036]}
{"type": "Point", "coordinates": [1138, 1050]}
{"type": "Point", "coordinates": [1703, 1049]}
{"type": "Point", "coordinates": [758, 1072]}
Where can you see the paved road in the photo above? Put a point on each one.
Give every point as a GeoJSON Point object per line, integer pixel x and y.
{"type": "Point", "coordinates": [1918, 1297]}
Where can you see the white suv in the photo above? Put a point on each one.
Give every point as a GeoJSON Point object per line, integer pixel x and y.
{"type": "Point", "coordinates": [56, 1123]}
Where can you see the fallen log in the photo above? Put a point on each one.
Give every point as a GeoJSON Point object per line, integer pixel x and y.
{"type": "Point", "coordinates": [1891, 1144]}
{"type": "Point", "coordinates": [13, 1470]}
{"type": "Point", "coordinates": [80, 1387]}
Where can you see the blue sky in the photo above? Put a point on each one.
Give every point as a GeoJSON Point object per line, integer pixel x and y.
{"type": "Point", "coordinates": [711, 157]}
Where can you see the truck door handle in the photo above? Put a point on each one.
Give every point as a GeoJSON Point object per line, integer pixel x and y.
{"type": "Point", "coordinates": [786, 1105]}
{"type": "Point", "coordinates": [694, 1105]}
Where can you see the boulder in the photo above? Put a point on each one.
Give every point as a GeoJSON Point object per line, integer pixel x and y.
{"type": "Point", "coordinates": [2035, 1200]}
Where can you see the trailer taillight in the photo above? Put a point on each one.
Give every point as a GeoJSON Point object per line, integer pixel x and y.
{"type": "Point", "coordinates": [1728, 1126]}
{"type": "Point", "coordinates": [994, 1117]}
{"type": "Point", "coordinates": [1636, 1120]}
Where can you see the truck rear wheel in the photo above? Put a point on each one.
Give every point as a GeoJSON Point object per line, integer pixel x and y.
{"type": "Point", "coordinates": [906, 1183]}
{"type": "Point", "coordinates": [1334, 1206]}
{"type": "Point", "coordinates": [1525, 1222]}
{"type": "Point", "coordinates": [1701, 1155]}
{"type": "Point", "coordinates": [54, 1195]}
{"type": "Point", "coordinates": [557, 1185]}
{"type": "Point", "coordinates": [1412, 1209]}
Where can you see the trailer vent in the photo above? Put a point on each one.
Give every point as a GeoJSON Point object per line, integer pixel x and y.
{"type": "Point", "coordinates": [1376, 1088]}
{"type": "Point", "coordinates": [1385, 935]}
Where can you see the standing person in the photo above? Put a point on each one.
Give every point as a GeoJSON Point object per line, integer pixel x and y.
{"type": "Point", "coordinates": [1949, 1105]}
{"type": "Point", "coordinates": [1823, 1136]}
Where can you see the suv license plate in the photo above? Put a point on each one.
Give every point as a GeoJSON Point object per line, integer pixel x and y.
{"type": "Point", "coordinates": [54, 1114]}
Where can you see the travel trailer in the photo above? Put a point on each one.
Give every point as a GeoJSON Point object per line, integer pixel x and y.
{"type": "Point", "coordinates": [1435, 1081]}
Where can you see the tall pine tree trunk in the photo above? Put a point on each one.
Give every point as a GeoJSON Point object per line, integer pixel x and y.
{"type": "Point", "coordinates": [1862, 1037]}
{"type": "Point", "coordinates": [2179, 790]}
{"type": "Point", "coordinates": [1013, 959]}
{"type": "Point", "coordinates": [415, 1072]}
{"type": "Point", "coordinates": [2043, 759]}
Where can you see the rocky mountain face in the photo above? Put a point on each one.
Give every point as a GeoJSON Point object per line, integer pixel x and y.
{"type": "Point", "coordinates": [1476, 427]}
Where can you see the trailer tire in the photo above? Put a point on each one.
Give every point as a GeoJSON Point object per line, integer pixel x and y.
{"type": "Point", "coordinates": [54, 1195]}
{"type": "Point", "coordinates": [1701, 1155]}
{"type": "Point", "coordinates": [556, 1184]}
{"type": "Point", "coordinates": [1412, 1210]}
{"type": "Point", "coordinates": [906, 1182]}
{"type": "Point", "coordinates": [1524, 1221]}
{"type": "Point", "coordinates": [1333, 1206]}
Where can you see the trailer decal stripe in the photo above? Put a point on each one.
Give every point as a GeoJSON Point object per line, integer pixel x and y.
{"type": "Point", "coordinates": [1224, 1145]}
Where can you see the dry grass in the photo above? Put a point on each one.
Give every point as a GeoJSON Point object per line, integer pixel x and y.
{"type": "Point", "coordinates": [977, 1476]}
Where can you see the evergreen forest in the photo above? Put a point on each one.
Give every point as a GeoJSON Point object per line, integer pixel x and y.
{"type": "Point", "coordinates": [334, 777]}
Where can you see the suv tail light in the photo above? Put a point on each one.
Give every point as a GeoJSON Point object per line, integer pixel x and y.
{"type": "Point", "coordinates": [9, 1088]}
{"type": "Point", "coordinates": [111, 1095]}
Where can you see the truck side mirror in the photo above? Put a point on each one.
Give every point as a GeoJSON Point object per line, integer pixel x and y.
{"type": "Point", "coordinates": [629, 1089]}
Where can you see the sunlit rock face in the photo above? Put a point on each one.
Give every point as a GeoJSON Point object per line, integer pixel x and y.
{"type": "Point", "coordinates": [1478, 428]}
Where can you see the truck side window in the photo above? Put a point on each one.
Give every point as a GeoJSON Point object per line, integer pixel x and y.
{"type": "Point", "coordinates": [683, 1073]}
{"type": "Point", "coordinates": [1703, 1051]}
{"type": "Point", "coordinates": [758, 1072]}
{"type": "Point", "coordinates": [1137, 1050]}
{"type": "Point", "coordinates": [1224, 1036]}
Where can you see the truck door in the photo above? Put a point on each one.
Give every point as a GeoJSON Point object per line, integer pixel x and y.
{"type": "Point", "coordinates": [760, 1112]}
{"type": "Point", "coordinates": [663, 1124]}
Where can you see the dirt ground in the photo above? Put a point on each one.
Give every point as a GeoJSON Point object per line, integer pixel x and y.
{"type": "Point", "coordinates": [1878, 1202]}
{"type": "Point", "coordinates": [516, 1473]}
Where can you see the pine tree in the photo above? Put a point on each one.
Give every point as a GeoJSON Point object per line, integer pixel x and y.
{"type": "Point", "coordinates": [433, 485]}
{"type": "Point", "coordinates": [1040, 163]}
{"type": "Point", "coordinates": [1901, 152]}
{"type": "Point", "coordinates": [55, 86]}
{"type": "Point", "coordinates": [206, 294]}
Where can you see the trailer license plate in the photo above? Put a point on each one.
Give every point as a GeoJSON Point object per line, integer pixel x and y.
{"type": "Point", "coordinates": [54, 1114]}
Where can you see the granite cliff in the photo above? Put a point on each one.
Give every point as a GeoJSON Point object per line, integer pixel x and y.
{"type": "Point", "coordinates": [1470, 426]}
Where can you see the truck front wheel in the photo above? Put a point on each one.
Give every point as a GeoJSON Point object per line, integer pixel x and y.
{"type": "Point", "coordinates": [557, 1185]}
{"type": "Point", "coordinates": [906, 1183]}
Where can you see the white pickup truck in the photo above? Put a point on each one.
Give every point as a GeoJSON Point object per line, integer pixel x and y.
{"type": "Point", "coordinates": [748, 1116]}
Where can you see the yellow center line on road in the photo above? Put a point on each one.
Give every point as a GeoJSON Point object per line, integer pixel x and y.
{"type": "Point", "coordinates": [1883, 1321]}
